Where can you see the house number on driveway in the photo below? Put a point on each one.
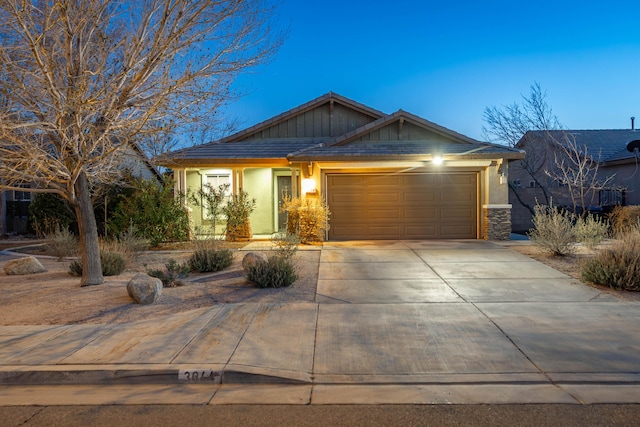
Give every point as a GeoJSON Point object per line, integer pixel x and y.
{"type": "Point", "coordinates": [198, 375]}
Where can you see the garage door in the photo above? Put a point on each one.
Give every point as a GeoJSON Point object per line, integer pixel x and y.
{"type": "Point", "coordinates": [403, 206]}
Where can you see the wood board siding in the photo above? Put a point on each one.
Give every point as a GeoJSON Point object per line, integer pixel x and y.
{"type": "Point", "coordinates": [403, 206]}
{"type": "Point", "coordinates": [318, 122]}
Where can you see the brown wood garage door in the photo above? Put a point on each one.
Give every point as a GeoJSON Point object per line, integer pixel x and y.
{"type": "Point", "coordinates": [403, 206]}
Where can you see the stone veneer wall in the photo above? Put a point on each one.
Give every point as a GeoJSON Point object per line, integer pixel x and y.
{"type": "Point", "coordinates": [497, 223]}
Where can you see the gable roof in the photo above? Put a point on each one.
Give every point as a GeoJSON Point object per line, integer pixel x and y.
{"type": "Point", "coordinates": [360, 132]}
{"type": "Point", "coordinates": [451, 143]}
{"type": "Point", "coordinates": [314, 103]}
{"type": "Point", "coordinates": [604, 145]}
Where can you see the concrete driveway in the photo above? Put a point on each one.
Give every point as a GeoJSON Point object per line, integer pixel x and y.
{"type": "Point", "coordinates": [393, 322]}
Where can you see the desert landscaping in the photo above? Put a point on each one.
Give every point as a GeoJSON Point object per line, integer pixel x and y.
{"type": "Point", "coordinates": [55, 297]}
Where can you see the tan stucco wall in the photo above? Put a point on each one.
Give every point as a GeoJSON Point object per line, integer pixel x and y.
{"type": "Point", "coordinates": [496, 187]}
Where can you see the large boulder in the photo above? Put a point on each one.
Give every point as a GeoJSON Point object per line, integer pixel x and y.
{"type": "Point", "coordinates": [144, 289]}
{"type": "Point", "coordinates": [252, 258]}
{"type": "Point", "coordinates": [26, 265]}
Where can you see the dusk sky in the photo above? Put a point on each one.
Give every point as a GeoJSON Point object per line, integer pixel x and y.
{"type": "Point", "coordinates": [448, 61]}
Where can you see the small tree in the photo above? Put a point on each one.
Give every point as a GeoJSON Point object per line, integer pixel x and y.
{"type": "Point", "coordinates": [210, 199]}
{"type": "Point", "coordinates": [237, 211]}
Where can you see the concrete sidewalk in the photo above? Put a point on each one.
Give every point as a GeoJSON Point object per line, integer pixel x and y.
{"type": "Point", "coordinates": [393, 322]}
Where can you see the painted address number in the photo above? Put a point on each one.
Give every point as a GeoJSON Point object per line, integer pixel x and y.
{"type": "Point", "coordinates": [198, 375]}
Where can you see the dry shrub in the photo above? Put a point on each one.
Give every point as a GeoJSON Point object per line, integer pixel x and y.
{"type": "Point", "coordinates": [554, 231]}
{"type": "Point", "coordinates": [61, 243]}
{"type": "Point", "coordinates": [308, 219]}
{"type": "Point", "coordinates": [112, 264]}
{"type": "Point", "coordinates": [617, 267]}
{"type": "Point", "coordinates": [624, 218]}
{"type": "Point", "coordinates": [208, 257]}
{"type": "Point", "coordinates": [591, 230]}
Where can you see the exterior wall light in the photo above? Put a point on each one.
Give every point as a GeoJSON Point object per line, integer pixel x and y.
{"type": "Point", "coordinates": [308, 185]}
{"type": "Point", "coordinates": [437, 160]}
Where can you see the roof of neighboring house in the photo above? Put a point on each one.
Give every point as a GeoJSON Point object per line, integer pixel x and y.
{"type": "Point", "coordinates": [356, 143]}
{"type": "Point", "coordinates": [607, 145]}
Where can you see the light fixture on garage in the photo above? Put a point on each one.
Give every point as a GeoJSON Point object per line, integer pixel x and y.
{"type": "Point", "coordinates": [437, 160]}
{"type": "Point", "coordinates": [309, 186]}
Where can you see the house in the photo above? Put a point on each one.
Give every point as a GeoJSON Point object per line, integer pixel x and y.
{"type": "Point", "coordinates": [14, 204]}
{"type": "Point", "coordinates": [383, 176]}
{"type": "Point", "coordinates": [610, 150]}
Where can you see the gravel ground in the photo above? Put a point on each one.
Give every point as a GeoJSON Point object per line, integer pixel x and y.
{"type": "Point", "coordinates": [55, 297]}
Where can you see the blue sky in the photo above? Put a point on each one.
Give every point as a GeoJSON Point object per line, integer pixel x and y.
{"type": "Point", "coordinates": [448, 61]}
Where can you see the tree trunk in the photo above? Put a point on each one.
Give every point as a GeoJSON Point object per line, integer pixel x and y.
{"type": "Point", "coordinates": [88, 230]}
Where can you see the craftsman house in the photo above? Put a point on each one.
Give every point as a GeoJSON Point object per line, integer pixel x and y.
{"type": "Point", "coordinates": [383, 176]}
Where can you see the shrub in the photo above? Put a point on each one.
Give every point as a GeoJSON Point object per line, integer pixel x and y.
{"type": "Point", "coordinates": [554, 231]}
{"type": "Point", "coordinates": [624, 218]}
{"type": "Point", "coordinates": [61, 243]}
{"type": "Point", "coordinates": [48, 213]}
{"type": "Point", "coordinates": [308, 218]}
{"type": "Point", "coordinates": [206, 259]}
{"type": "Point", "coordinates": [112, 264]}
{"type": "Point", "coordinates": [237, 212]}
{"type": "Point", "coordinates": [591, 230]}
{"type": "Point", "coordinates": [276, 272]}
{"type": "Point", "coordinates": [129, 244]}
{"type": "Point", "coordinates": [153, 211]}
{"type": "Point", "coordinates": [617, 267]}
{"type": "Point", "coordinates": [285, 244]}
{"type": "Point", "coordinates": [173, 275]}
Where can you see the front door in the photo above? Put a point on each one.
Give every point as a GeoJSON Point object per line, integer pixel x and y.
{"type": "Point", "coordinates": [284, 191]}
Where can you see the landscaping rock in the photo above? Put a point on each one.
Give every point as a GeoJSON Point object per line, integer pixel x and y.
{"type": "Point", "coordinates": [144, 289]}
{"type": "Point", "coordinates": [27, 265]}
{"type": "Point", "coordinates": [253, 258]}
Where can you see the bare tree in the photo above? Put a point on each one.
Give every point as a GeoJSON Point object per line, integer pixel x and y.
{"type": "Point", "coordinates": [577, 170]}
{"type": "Point", "coordinates": [84, 80]}
{"type": "Point", "coordinates": [509, 125]}
{"type": "Point", "coordinates": [560, 167]}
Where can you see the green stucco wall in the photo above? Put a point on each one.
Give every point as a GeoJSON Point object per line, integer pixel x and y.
{"type": "Point", "coordinates": [258, 183]}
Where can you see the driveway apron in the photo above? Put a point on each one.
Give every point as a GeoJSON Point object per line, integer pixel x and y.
{"type": "Point", "coordinates": [473, 310]}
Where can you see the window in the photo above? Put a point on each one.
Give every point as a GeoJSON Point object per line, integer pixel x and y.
{"type": "Point", "coordinates": [516, 183]}
{"type": "Point", "coordinates": [217, 180]}
{"type": "Point", "coordinates": [22, 195]}
{"type": "Point", "coordinates": [532, 184]}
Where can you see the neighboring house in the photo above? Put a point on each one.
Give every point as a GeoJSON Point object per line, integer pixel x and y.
{"type": "Point", "coordinates": [608, 148]}
{"type": "Point", "coordinates": [380, 174]}
{"type": "Point", "coordinates": [14, 205]}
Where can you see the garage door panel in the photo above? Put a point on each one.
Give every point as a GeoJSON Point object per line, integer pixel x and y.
{"type": "Point", "coordinates": [384, 198]}
{"type": "Point", "coordinates": [383, 214]}
{"type": "Point", "coordinates": [419, 214]}
{"type": "Point", "coordinates": [402, 206]}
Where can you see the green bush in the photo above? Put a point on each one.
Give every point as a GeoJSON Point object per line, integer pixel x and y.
{"type": "Point", "coordinates": [276, 272]}
{"type": "Point", "coordinates": [173, 275]}
{"type": "Point", "coordinates": [153, 211]}
{"type": "Point", "coordinates": [237, 211]}
{"type": "Point", "coordinates": [617, 267]}
{"type": "Point", "coordinates": [112, 264]}
{"type": "Point", "coordinates": [553, 230]}
{"type": "Point", "coordinates": [206, 260]}
{"type": "Point", "coordinates": [48, 213]}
